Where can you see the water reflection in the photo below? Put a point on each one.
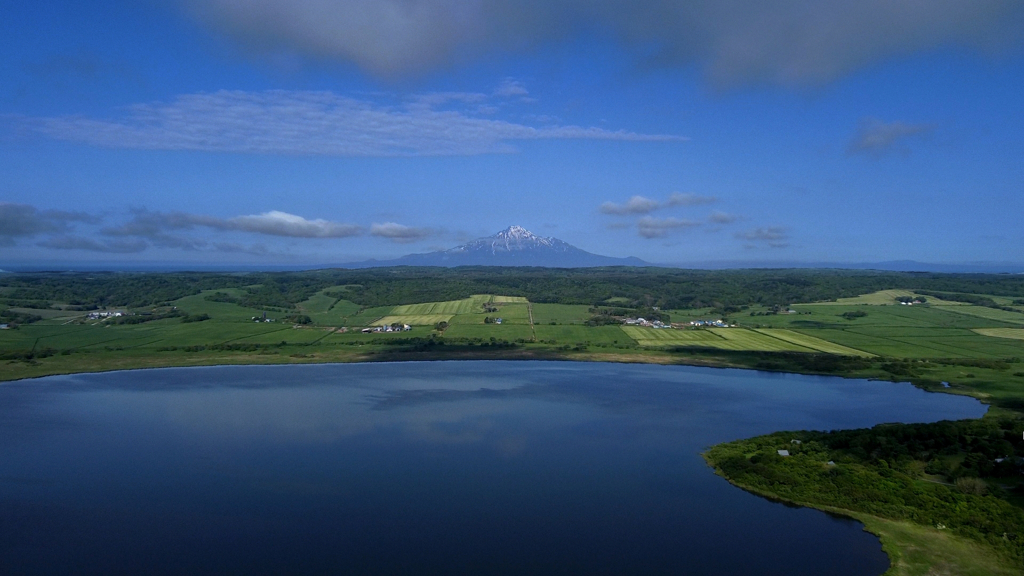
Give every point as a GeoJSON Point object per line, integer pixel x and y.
{"type": "Point", "coordinates": [448, 467]}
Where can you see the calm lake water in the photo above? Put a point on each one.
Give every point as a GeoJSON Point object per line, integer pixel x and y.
{"type": "Point", "coordinates": [421, 468]}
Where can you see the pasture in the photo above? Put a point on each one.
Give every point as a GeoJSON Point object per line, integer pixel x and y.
{"type": "Point", "coordinates": [1011, 333]}
{"type": "Point", "coordinates": [469, 305]}
{"type": "Point", "coordinates": [413, 319]}
{"type": "Point", "coordinates": [560, 313]}
{"type": "Point", "coordinates": [577, 335]}
{"type": "Point", "coordinates": [812, 342]}
{"type": "Point", "coordinates": [510, 332]}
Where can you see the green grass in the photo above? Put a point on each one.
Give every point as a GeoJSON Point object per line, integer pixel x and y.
{"type": "Point", "coordinates": [991, 314]}
{"type": "Point", "coordinates": [560, 313]}
{"type": "Point", "coordinates": [812, 342]}
{"type": "Point", "coordinates": [916, 550]}
{"type": "Point", "coordinates": [509, 300]}
{"type": "Point", "coordinates": [723, 338]}
{"type": "Point", "coordinates": [509, 313]}
{"type": "Point", "coordinates": [414, 320]}
{"type": "Point", "coordinates": [576, 335]}
{"type": "Point", "coordinates": [510, 332]}
{"type": "Point", "coordinates": [1012, 333]}
{"type": "Point", "coordinates": [474, 303]}
{"type": "Point", "coordinates": [887, 298]}
{"type": "Point", "coordinates": [368, 316]}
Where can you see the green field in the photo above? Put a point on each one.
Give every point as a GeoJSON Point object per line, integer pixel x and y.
{"type": "Point", "coordinates": [1011, 333]}
{"type": "Point", "coordinates": [577, 335]}
{"type": "Point", "coordinates": [991, 314]}
{"type": "Point", "coordinates": [811, 342]}
{"type": "Point", "coordinates": [413, 320]}
{"type": "Point", "coordinates": [723, 338]}
{"type": "Point", "coordinates": [509, 300]}
{"type": "Point", "coordinates": [560, 313]}
{"type": "Point", "coordinates": [887, 298]}
{"type": "Point", "coordinates": [469, 305]}
{"type": "Point", "coordinates": [510, 332]}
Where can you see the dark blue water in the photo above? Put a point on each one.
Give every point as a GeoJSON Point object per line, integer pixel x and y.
{"type": "Point", "coordinates": [421, 468]}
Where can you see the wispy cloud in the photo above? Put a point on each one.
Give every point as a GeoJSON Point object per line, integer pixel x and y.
{"type": "Point", "coordinates": [771, 236]}
{"type": "Point", "coordinates": [717, 217]}
{"type": "Point", "coordinates": [315, 123]}
{"type": "Point", "coordinates": [17, 220]}
{"type": "Point", "coordinates": [154, 225]}
{"type": "Point", "coordinates": [644, 205]}
{"type": "Point", "coordinates": [278, 223]}
{"type": "Point", "coordinates": [400, 233]}
{"type": "Point", "coordinates": [72, 242]}
{"type": "Point", "coordinates": [689, 199]}
{"type": "Point", "coordinates": [795, 42]}
{"type": "Point", "coordinates": [649, 227]}
{"type": "Point", "coordinates": [877, 138]}
{"type": "Point", "coordinates": [635, 205]}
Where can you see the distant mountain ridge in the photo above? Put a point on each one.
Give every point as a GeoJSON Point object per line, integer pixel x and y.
{"type": "Point", "coordinates": [513, 246]}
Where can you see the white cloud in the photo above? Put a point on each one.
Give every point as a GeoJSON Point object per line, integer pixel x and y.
{"type": "Point", "coordinates": [717, 217]}
{"type": "Point", "coordinates": [510, 88]}
{"type": "Point", "coordinates": [400, 233]}
{"type": "Point", "coordinates": [689, 199]}
{"type": "Point", "coordinates": [649, 227]}
{"type": "Point", "coordinates": [876, 138]}
{"type": "Point", "coordinates": [284, 224]}
{"type": "Point", "coordinates": [787, 42]}
{"type": "Point", "coordinates": [635, 205]}
{"type": "Point", "coordinates": [315, 123]}
{"type": "Point", "coordinates": [772, 236]}
{"type": "Point", "coordinates": [643, 205]}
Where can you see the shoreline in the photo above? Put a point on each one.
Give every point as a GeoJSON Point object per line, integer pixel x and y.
{"type": "Point", "coordinates": [893, 535]}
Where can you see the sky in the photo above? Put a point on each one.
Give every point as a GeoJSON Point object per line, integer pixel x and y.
{"type": "Point", "coordinates": [225, 133]}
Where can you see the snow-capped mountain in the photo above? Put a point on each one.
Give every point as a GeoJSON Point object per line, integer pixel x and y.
{"type": "Point", "coordinates": [513, 246]}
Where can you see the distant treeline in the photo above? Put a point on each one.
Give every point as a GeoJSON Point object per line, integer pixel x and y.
{"type": "Point", "coordinates": [665, 288]}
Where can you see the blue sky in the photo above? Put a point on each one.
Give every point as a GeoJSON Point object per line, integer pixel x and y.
{"type": "Point", "coordinates": [311, 132]}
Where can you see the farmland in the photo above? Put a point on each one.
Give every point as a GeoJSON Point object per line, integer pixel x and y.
{"type": "Point", "coordinates": [231, 317]}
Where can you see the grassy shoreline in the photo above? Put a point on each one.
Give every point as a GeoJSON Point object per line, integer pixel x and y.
{"type": "Point", "coordinates": [913, 549]}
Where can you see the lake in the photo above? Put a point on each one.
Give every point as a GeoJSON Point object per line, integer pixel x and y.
{"type": "Point", "coordinates": [422, 468]}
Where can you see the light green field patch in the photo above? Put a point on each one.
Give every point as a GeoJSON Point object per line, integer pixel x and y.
{"type": "Point", "coordinates": [1012, 333]}
{"type": "Point", "coordinates": [666, 337]}
{"type": "Point", "coordinates": [509, 314]}
{"type": "Point", "coordinates": [413, 319]}
{"type": "Point", "coordinates": [317, 303]}
{"type": "Point", "coordinates": [618, 300]}
{"type": "Point", "coordinates": [888, 297]}
{"type": "Point", "coordinates": [812, 342]}
{"type": "Point", "coordinates": [465, 306]}
{"type": "Point", "coordinates": [509, 299]}
{"type": "Point", "coordinates": [743, 339]}
{"type": "Point", "coordinates": [990, 313]}
{"type": "Point", "coordinates": [723, 338]}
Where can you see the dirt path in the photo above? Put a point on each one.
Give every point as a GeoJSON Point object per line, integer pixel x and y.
{"type": "Point", "coordinates": [529, 308]}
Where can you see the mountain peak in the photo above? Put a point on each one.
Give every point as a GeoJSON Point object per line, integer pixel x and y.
{"type": "Point", "coordinates": [517, 232]}
{"type": "Point", "coordinates": [515, 246]}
